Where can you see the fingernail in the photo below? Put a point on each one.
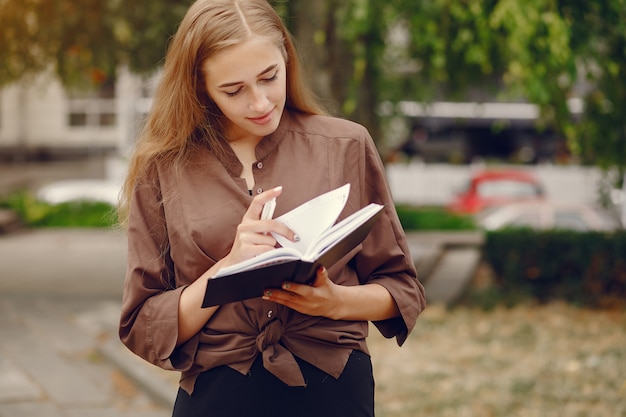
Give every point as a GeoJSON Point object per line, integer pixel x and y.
{"type": "Point", "coordinates": [286, 285]}
{"type": "Point", "coordinates": [267, 294]}
{"type": "Point", "coordinates": [296, 238]}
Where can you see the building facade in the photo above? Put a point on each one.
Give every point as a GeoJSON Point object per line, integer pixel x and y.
{"type": "Point", "coordinates": [40, 119]}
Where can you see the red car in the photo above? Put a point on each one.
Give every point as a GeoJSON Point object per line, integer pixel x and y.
{"type": "Point", "coordinates": [496, 187]}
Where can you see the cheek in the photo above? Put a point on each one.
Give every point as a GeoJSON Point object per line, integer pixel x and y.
{"type": "Point", "coordinates": [227, 107]}
{"type": "Point", "coordinates": [280, 92]}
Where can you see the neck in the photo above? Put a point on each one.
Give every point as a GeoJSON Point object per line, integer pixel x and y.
{"type": "Point", "coordinates": [244, 148]}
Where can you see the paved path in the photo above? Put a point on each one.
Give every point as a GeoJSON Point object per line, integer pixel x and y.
{"type": "Point", "coordinates": [55, 362]}
{"type": "Point", "coordinates": [63, 262]}
{"type": "Point", "coordinates": [60, 356]}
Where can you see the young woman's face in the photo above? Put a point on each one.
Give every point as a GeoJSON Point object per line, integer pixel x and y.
{"type": "Point", "coordinates": [248, 83]}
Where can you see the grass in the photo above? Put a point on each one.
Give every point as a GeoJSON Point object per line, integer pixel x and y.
{"type": "Point", "coordinates": [544, 361]}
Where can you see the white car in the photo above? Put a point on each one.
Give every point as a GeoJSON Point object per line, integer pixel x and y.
{"type": "Point", "coordinates": [542, 215]}
{"type": "Point", "coordinates": [80, 190]}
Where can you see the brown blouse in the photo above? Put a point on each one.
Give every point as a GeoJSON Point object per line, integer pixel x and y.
{"type": "Point", "coordinates": [182, 221]}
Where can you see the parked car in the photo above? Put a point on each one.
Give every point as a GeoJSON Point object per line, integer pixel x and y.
{"type": "Point", "coordinates": [542, 215]}
{"type": "Point", "coordinates": [80, 190]}
{"type": "Point", "coordinates": [491, 188]}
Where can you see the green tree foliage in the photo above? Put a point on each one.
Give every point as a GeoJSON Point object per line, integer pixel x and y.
{"type": "Point", "coordinates": [144, 28]}
{"type": "Point", "coordinates": [85, 41]}
{"type": "Point", "coordinates": [541, 51]}
{"type": "Point", "coordinates": [599, 41]}
{"type": "Point", "coordinates": [364, 52]}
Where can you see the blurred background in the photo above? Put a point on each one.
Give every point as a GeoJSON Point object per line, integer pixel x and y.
{"type": "Point", "coordinates": [501, 125]}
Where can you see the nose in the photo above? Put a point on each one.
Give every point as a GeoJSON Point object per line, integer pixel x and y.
{"type": "Point", "coordinates": [258, 99]}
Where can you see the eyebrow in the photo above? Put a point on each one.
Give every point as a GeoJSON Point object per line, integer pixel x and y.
{"type": "Point", "coordinates": [265, 71]}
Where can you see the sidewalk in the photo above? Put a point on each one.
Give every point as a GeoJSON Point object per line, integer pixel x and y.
{"type": "Point", "coordinates": [60, 356]}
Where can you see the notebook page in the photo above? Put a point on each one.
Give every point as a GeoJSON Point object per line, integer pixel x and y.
{"type": "Point", "coordinates": [312, 218]}
{"type": "Point", "coordinates": [264, 259]}
{"type": "Point", "coordinates": [345, 227]}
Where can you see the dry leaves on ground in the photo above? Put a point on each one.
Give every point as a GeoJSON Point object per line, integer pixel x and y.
{"type": "Point", "coordinates": [543, 361]}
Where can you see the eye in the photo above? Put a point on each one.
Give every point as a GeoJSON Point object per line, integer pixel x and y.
{"type": "Point", "coordinates": [232, 93]}
{"type": "Point", "coordinates": [272, 78]}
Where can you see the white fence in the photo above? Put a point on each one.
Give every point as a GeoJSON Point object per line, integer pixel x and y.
{"type": "Point", "coordinates": [435, 184]}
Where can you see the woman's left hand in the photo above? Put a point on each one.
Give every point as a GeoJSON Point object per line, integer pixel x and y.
{"type": "Point", "coordinates": [321, 298]}
{"type": "Point", "coordinates": [324, 298]}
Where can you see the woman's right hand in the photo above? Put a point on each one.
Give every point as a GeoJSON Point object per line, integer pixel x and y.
{"type": "Point", "coordinates": [253, 234]}
{"type": "Point", "coordinates": [253, 238]}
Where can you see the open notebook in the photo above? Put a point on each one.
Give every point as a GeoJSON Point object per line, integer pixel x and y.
{"type": "Point", "coordinates": [322, 242]}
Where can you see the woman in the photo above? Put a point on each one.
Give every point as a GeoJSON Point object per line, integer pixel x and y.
{"type": "Point", "coordinates": [232, 127]}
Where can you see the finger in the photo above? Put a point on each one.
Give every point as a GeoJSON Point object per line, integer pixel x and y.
{"type": "Point", "coordinates": [256, 235]}
{"type": "Point", "coordinates": [302, 289]}
{"type": "Point", "coordinates": [321, 276]}
{"type": "Point", "coordinates": [287, 291]}
{"type": "Point", "coordinates": [292, 287]}
{"type": "Point", "coordinates": [266, 227]}
{"type": "Point", "coordinates": [250, 243]}
{"type": "Point", "coordinates": [281, 229]}
{"type": "Point", "coordinates": [278, 295]}
{"type": "Point", "coordinates": [256, 206]}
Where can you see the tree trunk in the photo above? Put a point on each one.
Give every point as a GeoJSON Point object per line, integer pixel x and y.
{"type": "Point", "coordinates": [329, 62]}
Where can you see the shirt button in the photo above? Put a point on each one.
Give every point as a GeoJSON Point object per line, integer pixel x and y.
{"type": "Point", "coordinates": [270, 314]}
{"type": "Point", "coordinates": [259, 165]}
{"type": "Point", "coordinates": [259, 190]}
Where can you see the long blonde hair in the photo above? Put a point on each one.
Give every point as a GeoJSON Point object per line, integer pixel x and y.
{"type": "Point", "coordinates": [182, 115]}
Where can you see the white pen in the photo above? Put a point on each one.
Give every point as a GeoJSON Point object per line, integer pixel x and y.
{"type": "Point", "coordinates": [268, 209]}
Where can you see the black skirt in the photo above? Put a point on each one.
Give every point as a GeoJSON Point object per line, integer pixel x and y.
{"type": "Point", "coordinates": [224, 392]}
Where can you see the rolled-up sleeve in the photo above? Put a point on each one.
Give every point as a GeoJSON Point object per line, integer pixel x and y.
{"type": "Point", "coordinates": [149, 314]}
{"type": "Point", "coordinates": [385, 258]}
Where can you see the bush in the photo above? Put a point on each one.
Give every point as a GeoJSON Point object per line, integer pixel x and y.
{"type": "Point", "coordinates": [36, 213]}
{"type": "Point", "coordinates": [587, 269]}
{"type": "Point", "coordinates": [432, 218]}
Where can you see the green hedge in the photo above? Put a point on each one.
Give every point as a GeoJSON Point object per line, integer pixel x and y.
{"type": "Point", "coordinates": [587, 269]}
{"type": "Point", "coordinates": [35, 213]}
{"type": "Point", "coordinates": [432, 218]}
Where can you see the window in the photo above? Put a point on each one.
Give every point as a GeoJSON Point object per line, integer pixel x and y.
{"type": "Point", "coordinates": [93, 108]}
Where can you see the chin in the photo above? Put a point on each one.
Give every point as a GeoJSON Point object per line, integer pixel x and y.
{"type": "Point", "coordinates": [270, 127]}
{"type": "Point", "coordinates": [268, 130]}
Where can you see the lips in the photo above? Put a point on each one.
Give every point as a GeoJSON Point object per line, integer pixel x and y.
{"type": "Point", "coordinates": [266, 118]}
